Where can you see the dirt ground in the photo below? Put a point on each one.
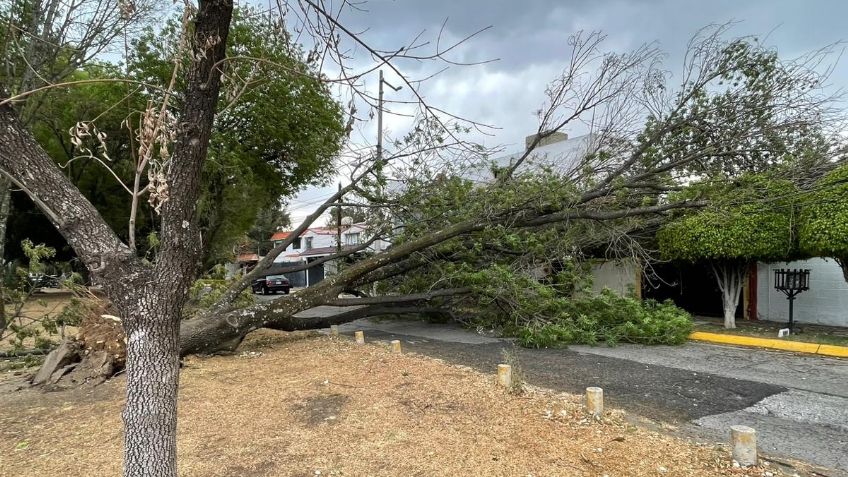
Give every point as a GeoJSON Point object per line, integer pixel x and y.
{"type": "Point", "coordinates": [33, 310]}
{"type": "Point", "coordinates": [320, 406]}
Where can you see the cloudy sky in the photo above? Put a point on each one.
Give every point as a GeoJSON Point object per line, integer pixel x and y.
{"type": "Point", "coordinates": [529, 39]}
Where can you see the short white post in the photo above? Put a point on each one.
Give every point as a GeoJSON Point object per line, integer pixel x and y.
{"type": "Point", "coordinates": [595, 401]}
{"type": "Point", "coordinates": [360, 337]}
{"type": "Point", "coordinates": [334, 330]}
{"type": "Point", "coordinates": [505, 375]}
{"type": "Point", "coordinates": [743, 443]}
{"type": "Point", "coordinates": [396, 346]}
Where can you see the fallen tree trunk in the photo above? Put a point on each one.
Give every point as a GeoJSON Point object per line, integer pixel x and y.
{"type": "Point", "coordinates": [223, 332]}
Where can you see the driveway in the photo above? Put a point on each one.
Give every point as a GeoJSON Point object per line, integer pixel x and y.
{"type": "Point", "coordinates": [797, 403]}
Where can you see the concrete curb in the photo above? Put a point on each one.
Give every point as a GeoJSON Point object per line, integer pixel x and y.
{"type": "Point", "coordinates": [796, 346]}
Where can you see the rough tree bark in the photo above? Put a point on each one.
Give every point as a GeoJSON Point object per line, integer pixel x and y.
{"type": "Point", "coordinates": [5, 200]}
{"type": "Point", "coordinates": [152, 319]}
{"type": "Point", "coordinates": [731, 277]}
{"type": "Point", "coordinates": [843, 264]}
{"type": "Point", "coordinates": [149, 298]}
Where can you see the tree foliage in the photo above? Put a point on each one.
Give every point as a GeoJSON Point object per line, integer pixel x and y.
{"type": "Point", "coordinates": [260, 152]}
{"type": "Point", "coordinates": [823, 230]}
{"type": "Point", "coordinates": [278, 130]}
{"type": "Point", "coordinates": [750, 219]}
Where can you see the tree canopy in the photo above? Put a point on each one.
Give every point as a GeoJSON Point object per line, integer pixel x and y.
{"type": "Point", "coordinates": [259, 153]}
{"type": "Point", "coordinates": [823, 230]}
{"type": "Point", "coordinates": [750, 219]}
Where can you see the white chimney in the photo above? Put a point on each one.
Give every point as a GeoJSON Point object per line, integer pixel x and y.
{"type": "Point", "coordinates": [549, 139]}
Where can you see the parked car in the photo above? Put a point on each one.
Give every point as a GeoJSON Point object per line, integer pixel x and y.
{"type": "Point", "coordinates": [271, 283]}
{"type": "Point", "coordinates": [40, 280]}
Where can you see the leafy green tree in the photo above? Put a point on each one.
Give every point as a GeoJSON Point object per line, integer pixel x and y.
{"type": "Point", "coordinates": [269, 220]}
{"type": "Point", "coordinates": [260, 153]}
{"type": "Point", "coordinates": [823, 230]}
{"type": "Point", "coordinates": [748, 220]}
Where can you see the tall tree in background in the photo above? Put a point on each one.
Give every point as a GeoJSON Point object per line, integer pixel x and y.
{"type": "Point", "coordinates": [43, 42]}
{"type": "Point", "coordinates": [268, 221]}
{"type": "Point", "coordinates": [260, 152]}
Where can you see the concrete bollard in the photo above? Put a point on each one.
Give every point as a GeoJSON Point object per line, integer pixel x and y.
{"type": "Point", "coordinates": [334, 330]}
{"type": "Point", "coordinates": [743, 443]}
{"type": "Point", "coordinates": [595, 402]}
{"type": "Point", "coordinates": [505, 375]}
{"type": "Point", "coordinates": [360, 337]}
{"type": "Point", "coordinates": [396, 346]}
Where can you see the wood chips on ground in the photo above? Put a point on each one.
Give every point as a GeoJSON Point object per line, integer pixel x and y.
{"type": "Point", "coordinates": [323, 406]}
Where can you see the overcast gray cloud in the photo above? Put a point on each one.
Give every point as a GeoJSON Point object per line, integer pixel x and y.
{"type": "Point", "coordinates": [530, 39]}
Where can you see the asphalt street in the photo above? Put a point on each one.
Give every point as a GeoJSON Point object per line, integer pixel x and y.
{"type": "Point", "coordinates": [797, 403]}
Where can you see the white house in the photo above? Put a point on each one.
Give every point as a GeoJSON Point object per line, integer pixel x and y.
{"type": "Point", "coordinates": [319, 242]}
{"type": "Point", "coordinates": [556, 152]}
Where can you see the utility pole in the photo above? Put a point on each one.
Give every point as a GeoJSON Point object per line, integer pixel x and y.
{"type": "Point", "coordinates": [339, 223]}
{"type": "Point", "coordinates": [380, 115]}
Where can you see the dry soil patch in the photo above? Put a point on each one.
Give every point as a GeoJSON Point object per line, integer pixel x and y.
{"type": "Point", "coordinates": [321, 406]}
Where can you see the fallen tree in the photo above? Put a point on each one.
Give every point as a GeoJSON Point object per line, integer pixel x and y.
{"type": "Point", "coordinates": [646, 141]}
{"type": "Point", "coordinates": [645, 137]}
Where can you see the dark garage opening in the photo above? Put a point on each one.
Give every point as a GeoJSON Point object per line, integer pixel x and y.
{"type": "Point", "coordinates": [692, 287]}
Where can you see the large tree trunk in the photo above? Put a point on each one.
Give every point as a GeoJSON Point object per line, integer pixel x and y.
{"type": "Point", "coordinates": [150, 415]}
{"type": "Point", "coordinates": [153, 320]}
{"type": "Point", "coordinates": [843, 264]}
{"type": "Point", "coordinates": [5, 201]}
{"type": "Point", "coordinates": [223, 331]}
{"type": "Point", "coordinates": [149, 299]}
{"type": "Point", "coordinates": [731, 277]}
{"type": "Point", "coordinates": [223, 328]}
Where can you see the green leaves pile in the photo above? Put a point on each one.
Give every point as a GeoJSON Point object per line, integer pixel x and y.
{"type": "Point", "coordinates": [609, 318]}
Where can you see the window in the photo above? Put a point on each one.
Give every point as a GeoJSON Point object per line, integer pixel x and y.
{"type": "Point", "coordinates": [308, 243]}
{"type": "Point", "coordinates": [352, 238]}
{"type": "Point", "coordinates": [296, 244]}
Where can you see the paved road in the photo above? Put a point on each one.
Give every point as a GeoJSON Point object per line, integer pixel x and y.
{"type": "Point", "coordinates": [797, 403]}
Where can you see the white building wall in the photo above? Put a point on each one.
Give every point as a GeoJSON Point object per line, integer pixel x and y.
{"type": "Point", "coordinates": [621, 276]}
{"type": "Point", "coordinates": [825, 303]}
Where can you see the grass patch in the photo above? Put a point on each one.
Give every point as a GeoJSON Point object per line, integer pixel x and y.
{"type": "Point", "coordinates": [767, 329]}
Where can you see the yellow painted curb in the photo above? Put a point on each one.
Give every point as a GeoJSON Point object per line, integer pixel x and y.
{"type": "Point", "coordinates": [785, 345]}
{"type": "Point", "coordinates": [833, 350]}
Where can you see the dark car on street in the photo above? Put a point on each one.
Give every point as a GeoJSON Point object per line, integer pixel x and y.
{"type": "Point", "coordinates": [271, 284]}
